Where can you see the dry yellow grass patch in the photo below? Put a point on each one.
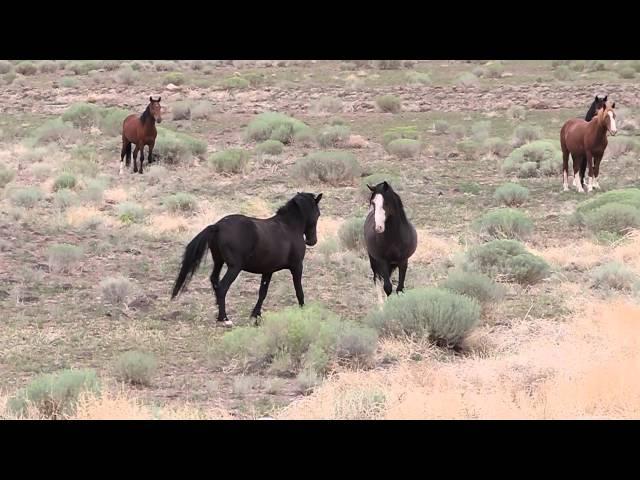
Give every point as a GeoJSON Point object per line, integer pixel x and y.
{"type": "Point", "coordinates": [163, 223]}
{"type": "Point", "coordinates": [208, 213]}
{"type": "Point", "coordinates": [328, 227]}
{"type": "Point", "coordinates": [589, 367]}
{"type": "Point", "coordinates": [78, 215]}
{"type": "Point", "coordinates": [115, 195]}
{"type": "Point", "coordinates": [257, 207]}
{"type": "Point", "coordinates": [431, 247]}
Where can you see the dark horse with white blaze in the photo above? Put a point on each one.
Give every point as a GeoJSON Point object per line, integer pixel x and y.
{"type": "Point", "coordinates": [586, 142]}
{"type": "Point", "coordinates": [140, 130]}
{"type": "Point", "coordinates": [254, 245]}
{"type": "Point", "coordinates": [389, 236]}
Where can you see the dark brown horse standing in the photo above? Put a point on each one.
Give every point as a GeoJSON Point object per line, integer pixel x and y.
{"type": "Point", "coordinates": [586, 142]}
{"type": "Point", "coordinates": [141, 131]}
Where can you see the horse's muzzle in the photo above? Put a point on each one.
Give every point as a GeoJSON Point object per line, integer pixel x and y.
{"type": "Point", "coordinates": [310, 242]}
{"type": "Point", "coordinates": [379, 229]}
{"type": "Point", "coordinates": [159, 120]}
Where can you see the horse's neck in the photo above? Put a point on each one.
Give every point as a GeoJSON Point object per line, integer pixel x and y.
{"type": "Point", "coordinates": [598, 126]}
{"type": "Point", "coordinates": [296, 223]}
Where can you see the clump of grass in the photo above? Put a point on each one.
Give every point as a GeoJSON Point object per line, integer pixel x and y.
{"type": "Point", "coordinates": [504, 223]}
{"type": "Point", "coordinates": [441, 127]}
{"type": "Point", "coordinates": [115, 290]}
{"type": "Point", "coordinates": [56, 130]}
{"type": "Point", "coordinates": [441, 315]}
{"type": "Point", "coordinates": [474, 285]}
{"type": "Point", "coordinates": [181, 110]}
{"type": "Point", "coordinates": [511, 194]}
{"type": "Point", "coordinates": [404, 148]}
{"type": "Point", "coordinates": [563, 73]}
{"type": "Point", "coordinates": [376, 178]}
{"type": "Point", "coordinates": [480, 130]}
{"type": "Point", "coordinates": [622, 145]}
{"type": "Point", "coordinates": [164, 65]}
{"type": "Point", "coordinates": [26, 68]}
{"type": "Point", "coordinates": [26, 197]}
{"type": "Point", "coordinates": [82, 115]}
{"type": "Point", "coordinates": [6, 175]}
{"type": "Point", "coordinates": [389, 104]}
{"type": "Point", "coordinates": [526, 134]}
{"type": "Point", "coordinates": [543, 153]}
{"type": "Point", "coordinates": [94, 191]}
{"type": "Point", "coordinates": [351, 234]}
{"type": "Point", "coordinates": [468, 148]}
{"type": "Point", "coordinates": [517, 112]}
{"type": "Point", "coordinates": [458, 131]}
{"type": "Point", "coordinates": [64, 198]}
{"type": "Point", "coordinates": [173, 147]}
{"type": "Point", "coordinates": [496, 146]}
{"type": "Point", "coordinates": [506, 259]}
{"type": "Point", "coordinates": [82, 67]}
{"type": "Point", "coordinates": [294, 340]}
{"type": "Point", "coordinates": [418, 78]}
{"type": "Point", "coordinates": [233, 160]}
{"type": "Point", "coordinates": [55, 395]}
{"type": "Point", "coordinates": [388, 64]}
{"type": "Point", "coordinates": [175, 78]}
{"type": "Point", "coordinates": [274, 126]}
{"type": "Point", "coordinates": [5, 67]}
{"type": "Point", "coordinates": [111, 120]}
{"type": "Point", "coordinates": [467, 79]}
{"type": "Point", "coordinates": [129, 212]}
{"type": "Point", "coordinates": [64, 180]}
{"type": "Point", "coordinates": [127, 76]}
{"type": "Point", "coordinates": [135, 367]}
{"type": "Point", "coordinates": [62, 257]}
{"type": "Point", "coordinates": [397, 133]}
{"type": "Point", "coordinates": [68, 82]}
{"type": "Point", "coordinates": [333, 136]}
{"type": "Point", "coordinates": [627, 73]}
{"type": "Point", "coordinates": [328, 247]}
{"type": "Point", "coordinates": [201, 110]}
{"type": "Point", "coordinates": [48, 66]}
{"type": "Point", "coordinates": [615, 276]}
{"type": "Point", "coordinates": [332, 167]}
{"type": "Point", "coordinates": [328, 105]}
{"type": "Point", "coordinates": [304, 137]}
{"type": "Point", "coordinates": [616, 218]}
{"type": "Point", "coordinates": [181, 202]}
{"type": "Point", "coordinates": [270, 147]}
{"type": "Point", "coordinates": [8, 78]}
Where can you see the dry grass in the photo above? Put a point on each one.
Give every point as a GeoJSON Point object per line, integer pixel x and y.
{"type": "Point", "coordinates": [431, 247]}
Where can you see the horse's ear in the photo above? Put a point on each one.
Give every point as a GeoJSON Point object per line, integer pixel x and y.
{"type": "Point", "coordinates": [385, 186]}
{"type": "Point", "coordinates": [318, 198]}
{"type": "Point", "coordinates": [371, 188]}
{"type": "Point", "coordinates": [159, 98]}
{"type": "Point", "coordinates": [613, 105]}
{"type": "Point", "coordinates": [605, 98]}
{"type": "Point", "coordinates": [151, 98]}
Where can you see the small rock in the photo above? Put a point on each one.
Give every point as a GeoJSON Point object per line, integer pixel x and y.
{"type": "Point", "coordinates": [172, 87]}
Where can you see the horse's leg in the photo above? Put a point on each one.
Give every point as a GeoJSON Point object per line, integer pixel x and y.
{"type": "Point", "coordinates": [215, 275]}
{"type": "Point", "coordinates": [596, 172]}
{"type": "Point", "coordinates": [264, 287]}
{"type": "Point", "coordinates": [141, 158]}
{"type": "Point", "coordinates": [577, 165]}
{"type": "Point", "coordinates": [590, 167]}
{"type": "Point", "coordinates": [221, 293]}
{"type": "Point", "coordinates": [296, 273]}
{"type": "Point", "coordinates": [402, 272]}
{"type": "Point", "coordinates": [565, 169]}
{"type": "Point", "coordinates": [385, 273]}
{"type": "Point", "coordinates": [151, 145]}
{"type": "Point", "coordinates": [135, 159]}
{"type": "Point", "coordinates": [123, 153]}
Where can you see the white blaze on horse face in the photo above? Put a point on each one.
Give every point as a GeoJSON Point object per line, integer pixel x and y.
{"type": "Point", "coordinates": [379, 215]}
{"type": "Point", "coordinates": [613, 128]}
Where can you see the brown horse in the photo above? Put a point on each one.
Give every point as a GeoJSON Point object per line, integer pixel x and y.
{"type": "Point", "coordinates": [141, 131]}
{"type": "Point", "coordinates": [586, 142]}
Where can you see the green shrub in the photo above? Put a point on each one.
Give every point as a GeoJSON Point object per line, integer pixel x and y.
{"type": "Point", "coordinates": [235, 83]}
{"type": "Point", "coordinates": [333, 136]}
{"type": "Point", "coordinates": [274, 126]}
{"type": "Point", "coordinates": [333, 167]}
{"type": "Point", "coordinates": [615, 276]}
{"type": "Point", "coordinates": [526, 134]}
{"type": "Point", "coordinates": [64, 180]}
{"type": "Point", "coordinates": [621, 145]}
{"type": "Point", "coordinates": [351, 234]}
{"type": "Point", "coordinates": [181, 110]}
{"type": "Point", "coordinates": [6, 175]}
{"type": "Point", "coordinates": [496, 146]}
{"type": "Point", "coordinates": [181, 202]}
{"type": "Point", "coordinates": [111, 120]}
{"type": "Point", "coordinates": [233, 160]}
{"type": "Point", "coordinates": [26, 68]}
{"type": "Point", "coordinates": [55, 394]}
{"type": "Point", "coordinates": [595, 66]}
{"type": "Point", "coordinates": [517, 112]}
{"type": "Point", "coordinates": [468, 148]}
{"type": "Point", "coordinates": [9, 77]}
{"type": "Point", "coordinates": [480, 130]}
{"type": "Point", "coordinates": [56, 130]}
{"type": "Point", "coordinates": [563, 73]}
{"type": "Point", "coordinates": [577, 66]}
{"type": "Point", "coordinates": [296, 339]}
{"type": "Point", "coordinates": [48, 66]}
{"type": "Point", "coordinates": [404, 148]}
{"type": "Point", "coordinates": [495, 70]}
{"type": "Point", "coordinates": [418, 78]}
{"type": "Point", "coordinates": [201, 110]}
{"type": "Point", "coordinates": [136, 368]}
{"type": "Point", "coordinates": [504, 223]}
{"type": "Point", "coordinates": [270, 147]}
{"type": "Point", "coordinates": [111, 65]}
{"type": "Point", "coordinates": [507, 259]}
{"type": "Point", "coordinates": [329, 247]}
{"type": "Point", "coordinates": [627, 72]}
{"type": "Point", "coordinates": [377, 178]}
{"type": "Point", "coordinates": [438, 314]}
{"type": "Point", "coordinates": [626, 196]}
{"type": "Point", "coordinates": [115, 290]}
{"type": "Point", "coordinates": [467, 79]}
{"type": "Point", "coordinates": [164, 65]}
{"type": "Point", "coordinates": [397, 133]}
{"type": "Point", "coordinates": [5, 67]}
{"type": "Point", "coordinates": [459, 131]}
{"type": "Point", "coordinates": [441, 127]}
{"type": "Point", "coordinates": [64, 198]}
{"type": "Point", "coordinates": [82, 67]}
{"type": "Point", "coordinates": [540, 152]}
{"type": "Point", "coordinates": [68, 82]}
{"type": "Point", "coordinates": [511, 194]}
{"type": "Point", "coordinates": [389, 104]}
{"type": "Point", "coordinates": [129, 212]}
{"type": "Point", "coordinates": [388, 64]}
{"type": "Point", "coordinates": [173, 147]}
{"type": "Point", "coordinates": [328, 105]}
{"type": "Point", "coordinates": [82, 115]}
{"type": "Point", "coordinates": [26, 197]}
{"type": "Point", "coordinates": [474, 285]}
{"type": "Point", "coordinates": [615, 218]}
{"type": "Point", "coordinates": [176, 78]}
{"type": "Point", "coordinates": [127, 76]}
{"type": "Point", "coordinates": [304, 137]}
{"type": "Point", "coordinates": [63, 257]}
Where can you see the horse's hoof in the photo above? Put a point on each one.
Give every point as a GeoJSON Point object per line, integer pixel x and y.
{"type": "Point", "coordinates": [226, 323]}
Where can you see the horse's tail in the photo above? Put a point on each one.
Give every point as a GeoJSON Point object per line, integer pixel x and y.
{"type": "Point", "coordinates": [192, 257]}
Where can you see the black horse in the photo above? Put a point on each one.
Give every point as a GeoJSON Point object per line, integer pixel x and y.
{"type": "Point", "coordinates": [597, 104]}
{"type": "Point", "coordinates": [389, 236]}
{"type": "Point", "coordinates": [254, 245]}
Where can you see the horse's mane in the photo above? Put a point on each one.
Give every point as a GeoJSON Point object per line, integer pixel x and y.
{"type": "Point", "coordinates": [392, 197]}
{"type": "Point", "coordinates": [146, 114]}
{"type": "Point", "coordinates": [298, 204]}
{"type": "Point", "coordinates": [592, 109]}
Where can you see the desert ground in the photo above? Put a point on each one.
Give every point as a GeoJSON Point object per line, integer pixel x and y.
{"type": "Point", "coordinates": [88, 256]}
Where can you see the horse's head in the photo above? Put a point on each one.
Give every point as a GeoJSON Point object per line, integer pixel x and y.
{"type": "Point", "coordinates": [384, 202]}
{"type": "Point", "coordinates": [308, 205]}
{"type": "Point", "coordinates": [600, 101]}
{"type": "Point", "coordinates": [155, 109]}
{"type": "Point", "coordinates": [607, 116]}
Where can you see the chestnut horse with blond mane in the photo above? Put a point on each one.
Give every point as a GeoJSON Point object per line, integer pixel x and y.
{"type": "Point", "coordinates": [140, 130]}
{"type": "Point", "coordinates": [586, 142]}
